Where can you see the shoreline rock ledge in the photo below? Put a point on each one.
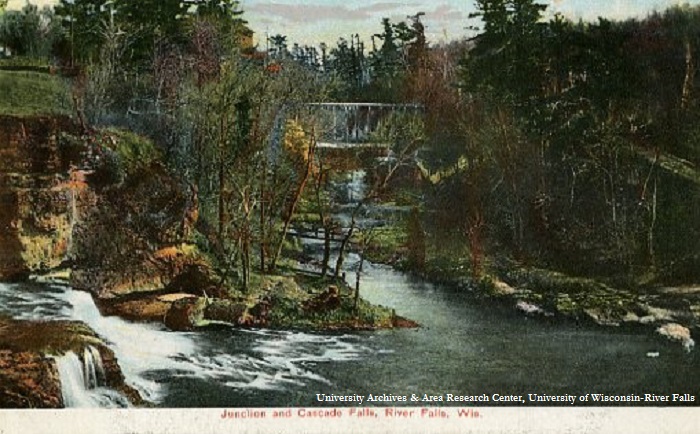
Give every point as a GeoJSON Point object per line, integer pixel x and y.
{"type": "Point", "coordinates": [30, 353]}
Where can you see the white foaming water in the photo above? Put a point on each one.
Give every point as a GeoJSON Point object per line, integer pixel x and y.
{"type": "Point", "coordinates": [276, 360]}
{"type": "Point", "coordinates": [83, 381]}
{"type": "Point", "coordinates": [70, 371]}
{"type": "Point", "coordinates": [94, 371]}
{"type": "Point", "coordinates": [149, 355]}
{"type": "Point", "coordinates": [353, 187]}
{"type": "Point", "coordinates": [140, 348]}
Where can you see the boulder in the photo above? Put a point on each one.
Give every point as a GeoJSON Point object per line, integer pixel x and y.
{"type": "Point", "coordinates": [677, 333]}
{"type": "Point", "coordinates": [226, 311]}
{"type": "Point", "coordinates": [531, 309]}
{"type": "Point", "coordinates": [185, 314]}
{"type": "Point", "coordinates": [502, 288]}
{"type": "Point", "coordinates": [325, 301]}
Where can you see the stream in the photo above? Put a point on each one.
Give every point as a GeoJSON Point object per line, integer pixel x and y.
{"type": "Point", "coordinates": [463, 347]}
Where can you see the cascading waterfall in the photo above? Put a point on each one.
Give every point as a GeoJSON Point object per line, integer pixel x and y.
{"type": "Point", "coordinates": [94, 369]}
{"type": "Point", "coordinates": [356, 186]}
{"type": "Point", "coordinates": [83, 381]}
{"type": "Point", "coordinates": [70, 371]}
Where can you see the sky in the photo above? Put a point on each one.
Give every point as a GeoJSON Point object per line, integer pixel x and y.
{"type": "Point", "coordinates": [315, 21]}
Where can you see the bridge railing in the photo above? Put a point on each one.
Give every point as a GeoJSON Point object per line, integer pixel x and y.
{"type": "Point", "coordinates": [353, 124]}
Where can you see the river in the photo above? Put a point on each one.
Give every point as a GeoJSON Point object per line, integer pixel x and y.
{"type": "Point", "coordinates": [462, 348]}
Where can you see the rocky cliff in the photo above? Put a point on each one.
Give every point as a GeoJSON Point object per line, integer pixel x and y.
{"type": "Point", "coordinates": [94, 200]}
{"type": "Point", "coordinates": [37, 200]}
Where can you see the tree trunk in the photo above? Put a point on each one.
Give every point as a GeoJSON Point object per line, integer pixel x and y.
{"type": "Point", "coordinates": [263, 199]}
{"type": "Point", "coordinates": [357, 282]}
{"type": "Point", "coordinates": [476, 248]}
{"type": "Point", "coordinates": [222, 178]}
{"type": "Point", "coordinates": [689, 76]}
{"type": "Point", "coordinates": [295, 201]}
{"type": "Point", "coordinates": [326, 249]}
{"type": "Point", "coordinates": [652, 253]}
{"type": "Point", "coordinates": [341, 251]}
{"type": "Point", "coordinates": [346, 241]}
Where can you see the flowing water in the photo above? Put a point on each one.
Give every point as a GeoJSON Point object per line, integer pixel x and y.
{"type": "Point", "coordinates": [462, 347]}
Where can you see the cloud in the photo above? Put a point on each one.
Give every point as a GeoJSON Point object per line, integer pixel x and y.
{"type": "Point", "coordinates": [446, 12]}
{"type": "Point", "coordinates": [19, 4]}
{"type": "Point", "coordinates": [305, 13]}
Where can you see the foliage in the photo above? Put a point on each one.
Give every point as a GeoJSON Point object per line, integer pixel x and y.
{"type": "Point", "coordinates": [134, 151]}
{"type": "Point", "coordinates": [247, 178]}
{"type": "Point", "coordinates": [149, 24]}
{"type": "Point", "coordinates": [570, 144]}
{"type": "Point", "coordinates": [30, 32]}
{"type": "Point", "coordinates": [83, 21]}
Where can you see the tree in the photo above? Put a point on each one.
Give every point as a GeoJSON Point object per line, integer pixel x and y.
{"type": "Point", "coordinates": [505, 58]}
{"type": "Point", "coordinates": [83, 21]}
{"type": "Point", "coordinates": [249, 183]}
{"type": "Point", "coordinates": [29, 32]}
{"type": "Point", "coordinates": [227, 16]}
{"type": "Point", "coordinates": [347, 63]}
{"type": "Point", "coordinates": [151, 22]}
{"type": "Point", "coordinates": [277, 47]}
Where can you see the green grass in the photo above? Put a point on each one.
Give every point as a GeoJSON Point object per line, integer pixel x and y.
{"type": "Point", "coordinates": [133, 150]}
{"type": "Point", "coordinates": [32, 93]}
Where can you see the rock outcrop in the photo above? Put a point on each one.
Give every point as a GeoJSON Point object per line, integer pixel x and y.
{"type": "Point", "coordinates": [29, 376]}
{"type": "Point", "coordinates": [67, 195]}
{"type": "Point", "coordinates": [37, 199]}
{"type": "Point", "coordinates": [28, 380]}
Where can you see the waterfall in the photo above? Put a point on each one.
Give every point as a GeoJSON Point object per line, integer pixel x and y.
{"type": "Point", "coordinates": [356, 186]}
{"type": "Point", "coordinates": [94, 370]}
{"type": "Point", "coordinates": [83, 381]}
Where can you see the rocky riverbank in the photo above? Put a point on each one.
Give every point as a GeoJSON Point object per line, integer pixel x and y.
{"type": "Point", "coordinates": [279, 302]}
{"type": "Point", "coordinates": [672, 312]}
{"type": "Point", "coordinates": [29, 376]}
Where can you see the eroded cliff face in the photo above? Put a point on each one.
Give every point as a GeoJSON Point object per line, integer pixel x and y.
{"type": "Point", "coordinates": [37, 200]}
{"type": "Point", "coordinates": [134, 237]}
{"type": "Point", "coordinates": [65, 195]}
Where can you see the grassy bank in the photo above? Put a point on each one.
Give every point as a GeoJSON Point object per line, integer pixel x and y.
{"type": "Point", "coordinates": [33, 93]}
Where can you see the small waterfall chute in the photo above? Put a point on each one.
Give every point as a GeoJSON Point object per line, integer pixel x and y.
{"type": "Point", "coordinates": [83, 381]}
{"type": "Point", "coordinates": [70, 372]}
{"type": "Point", "coordinates": [94, 373]}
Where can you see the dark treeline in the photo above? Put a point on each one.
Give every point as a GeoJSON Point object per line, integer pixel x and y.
{"type": "Point", "coordinates": [578, 142]}
{"type": "Point", "coordinates": [570, 145]}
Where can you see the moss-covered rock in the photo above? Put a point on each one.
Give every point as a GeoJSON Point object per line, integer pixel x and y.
{"type": "Point", "coordinates": [228, 311]}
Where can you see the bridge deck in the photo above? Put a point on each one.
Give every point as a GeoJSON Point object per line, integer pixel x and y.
{"type": "Point", "coordinates": [353, 124]}
{"type": "Point", "coordinates": [349, 145]}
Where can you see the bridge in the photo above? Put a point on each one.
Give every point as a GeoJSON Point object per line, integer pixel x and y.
{"type": "Point", "coordinates": [352, 125]}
